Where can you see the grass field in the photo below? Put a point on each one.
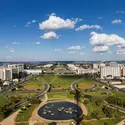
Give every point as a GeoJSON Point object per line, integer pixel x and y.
{"type": "Point", "coordinates": [86, 83]}
{"type": "Point", "coordinates": [60, 95]}
{"type": "Point", "coordinates": [22, 123]}
{"type": "Point", "coordinates": [104, 122]}
{"type": "Point", "coordinates": [33, 84]}
{"type": "Point", "coordinates": [60, 81]}
{"type": "Point", "coordinates": [25, 115]}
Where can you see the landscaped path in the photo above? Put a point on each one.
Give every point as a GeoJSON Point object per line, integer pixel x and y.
{"type": "Point", "coordinates": [122, 122]}
{"type": "Point", "coordinates": [10, 120]}
{"type": "Point", "coordinates": [35, 117]}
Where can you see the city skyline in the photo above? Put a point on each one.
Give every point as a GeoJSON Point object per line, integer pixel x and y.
{"type": "Point", "coordinates": [73, 30]}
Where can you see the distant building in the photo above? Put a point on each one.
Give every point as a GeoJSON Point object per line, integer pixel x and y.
{"type": "Point", "coordinates": [123, 71]}
{"type": "Point", "coordinates": [113, 64]}
{"type": "Point", "coordinates": [6, 74]}
{"type": "Point", "coordinates": [33, 71]}
{"type": "Point", "coordinates": [48, 65]}
{"type": "Point", "coordinates": [102, 64]}
{"type": "Point", "coordinates": [113, 71]}
{"type": "Point", "coordinates": [95, 66]}
{"type": "Point", "coordinates": [19, 67]}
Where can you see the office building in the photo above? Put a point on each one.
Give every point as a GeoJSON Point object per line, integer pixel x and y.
{"type": "Point", "coordinates": [113, 71]}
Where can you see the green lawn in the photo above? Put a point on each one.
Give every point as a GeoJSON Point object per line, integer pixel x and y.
{"type": "Point", "coordinates": [4, 100]}
{"type": "Point", "coordinates": [104, 122]}
{"type": "Point", "coordinates": [64, 81]}
{"type": "Point", "coordinates": [33, 84]}
{"type": "Point", "coordinates": [118, 94]}
{"type": "Point", "coordinates": [91, 107]}
{"type": "Point", "coordinates": [60, 95]}
{"type": "Point", "coordinates": [41, 124]}
{"type": "Point", "coordinates": [22, 123]}
{"type": "Point", "coordinates": [25, 115]}
{"type": "Point", "coordinates": [60, 81]}
{"type": "Point", "coordinates": [86, 83]}
{"type": "Point", "coordinates": [99, 95]}
{"type": "Point", "coordinates": [21, 95]}
{"type": "Point", "coordinates": [46, 78]}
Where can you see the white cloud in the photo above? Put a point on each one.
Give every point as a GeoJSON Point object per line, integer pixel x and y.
{"type": "Point", "coordinates": [110, 52]}
{"type": "Point", "coordinates": [58, 50]}
{"type": "Point", "coordinates": [71, 52]}
{"type": "Point", "coordinates": [30, 22]}
{"type": "Point", "coordinates": [54, 22]}
{"type": "Point", "coordinates": [100, 17]}
{"type": "Point", "coordinates": [106, 39]}
{"type": "Point", "coordinates": [34, 21]}
{"type": "Point", "coordinates": [52, 14]}
{"type": "Point", "coordinates": [116, 21]}
{"type": "Point", "coordinates": [81, 53]}
{"type": "Point", "coordinates": [37, 43]}
{"type": "Point", "coordinates": [83, 47]}
{"type": "Point", "coordinates": [120, 11]}
{"type": "Point", "coordinates": [12, 50]}
{"type": "Point", "coordinates": [74, 48]}
{"type": "Point", "coordinates": [6, 46]}
{"type": "Point", "coordinates": [50, 35]}
{"type": "Point", "coordinates": [100, 49]}
{"type": "Point", "coordinates": [120, 51]}
{"type": "Point", "coordinates": [85, 26]}
{"type": "Point", "coordinates": [16, 43]}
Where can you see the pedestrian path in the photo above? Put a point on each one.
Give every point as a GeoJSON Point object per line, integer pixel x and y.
{"type": "Point", "coordinates": [10, 120]}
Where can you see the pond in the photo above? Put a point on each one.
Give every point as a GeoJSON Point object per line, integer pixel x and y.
{"type": "Point", "coordinates": [60, 111]}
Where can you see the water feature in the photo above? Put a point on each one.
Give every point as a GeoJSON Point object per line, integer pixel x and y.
{"type": "Point", "coordinates": [60, 111]}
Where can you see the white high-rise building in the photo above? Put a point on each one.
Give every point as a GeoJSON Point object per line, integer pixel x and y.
{"type": "Point", "coordinates": [19, 67]}
{"type": "Point", "coordinates": [95, 66]}
{"type": "Point", "coordinates": [114, 71]}
{"type": "Point", "coordinates": [6, 74]}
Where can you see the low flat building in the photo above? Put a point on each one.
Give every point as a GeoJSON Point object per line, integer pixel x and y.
{"type": "Point", "coordinates": [33, 71]}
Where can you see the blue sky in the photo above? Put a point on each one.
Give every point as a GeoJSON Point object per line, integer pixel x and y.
{"type": "Point", "coordinates": [50, 30]}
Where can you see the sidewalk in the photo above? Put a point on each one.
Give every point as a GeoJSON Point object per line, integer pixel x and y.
{"type": "Point", "coordinates": [10, 120]}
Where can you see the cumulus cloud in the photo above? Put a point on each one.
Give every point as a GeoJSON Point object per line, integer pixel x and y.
{"type": "Point", "coordinates": [71, 52]}
{"type": "Point", "coordinates": [101, 49]}
{"type": "Point", "coordinates": [116, 21]}
{"type": "Point", "coordinates": [16, 43]}
{"type": "Point", "coordinates": [12, 50]}
{"type": "Point", "coordinates": [30, 22]}
{"type": "Point", "coordinates": [120, 52]}
{"type": "Point", "coordinates": [106, 39]}
{"type": "Point", "coordinates": [100, 17]}
{"type": "Point", "coordinates": [50, 35]}
{"type": "Point", "coordinates": [54, 22]}
{"type": "Point", "coordinates": [34, 21]}
{"type": "Point", "coordinates": [58, 50]}
{"type": "Point", "coordinates": [120, 12]}
{"type": "Point", "coordinates": [85, 26]}
{"type": "Point", "coordinates": [37, 43]}
{"type": "Point", "coordinates": [74, 48]}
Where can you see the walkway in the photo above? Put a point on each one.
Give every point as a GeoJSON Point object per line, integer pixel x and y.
{"type": "Point", "coordinates": [122, 122]}
{"type": "Point", "coordinates": [35, 117]}
{"type": "Point", "coordinates": [10, 120]}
